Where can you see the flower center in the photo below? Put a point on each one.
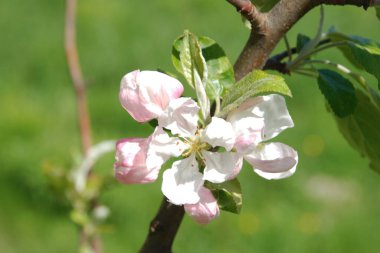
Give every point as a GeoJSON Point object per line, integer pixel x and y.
{"type": "Point", "coordinates": [195, 145]}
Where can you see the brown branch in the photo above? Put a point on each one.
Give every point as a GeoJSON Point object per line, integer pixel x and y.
{"type": "Point", "coordinates": [76, 75]}
{"type": "Point", "coordinates": [80, 92]}
{"type": "Point", "coordinates": [163, 228]}
{"type": "Point", "coordinates": [277, 22]}
{"type": "Point", "coordinates": [250, 12]}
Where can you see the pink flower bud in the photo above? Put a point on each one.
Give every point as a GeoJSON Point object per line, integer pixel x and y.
{"type": "Point", "coordinates": [146, 94]}
{"type": "Point", "coordinates": [206, 209]}
{"type": "Point", "coordinates": [130, 166]}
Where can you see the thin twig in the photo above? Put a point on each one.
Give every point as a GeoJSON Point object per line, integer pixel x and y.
{"type": "Point", "coordinates": [275, 62]}
{"type": "Point", "coordinates": [288, 48]}
{"type": "Point", "coordinates": [80, 92]}
{"type": "Point", "coordinates": [76, 75]}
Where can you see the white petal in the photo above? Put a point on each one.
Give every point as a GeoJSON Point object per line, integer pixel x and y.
{"type": "Point", "coordinates": [273, 160]}
{"type": "Point", "coordinates": [221, 167]}
{"type": "Point", "coordinates": [276, 116]}
{"type": "Point", "coordinates": [219, 133]}
{"type": "Point", "coordinates": [248, 129]}
{"type": "Point", "coordinates": [182, 182]}
{"type": "Point", "coordinates": [162, 147]}
{"type": "Point", "coordinates": [181, 117]}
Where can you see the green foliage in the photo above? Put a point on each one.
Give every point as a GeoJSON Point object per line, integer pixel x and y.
{"type": "Point", "coordinates": [228, 195]}
{"type": "Point", "coordinates": [188, 60]}
{"type": "Point", "coordinates": [302, 40]}
{"type": "Point", "coordinates": [361, 129]}
{"type": "Point", "coordinates": [254, 84]}
{"type": "Point", "coordinates": [378, 12]}
{"type": "Point", "coordinates": [363, 53]}
{"type": "Point", "coordinates": [187, 57]}
{"type": "Point", "coordinates": [220, 71]}
{"type": "Point", "coordinates": [338, 91]}
{"type": "Point", "coordinates": [368, 57]}
{"type": "Point", "coordinates": [205, 66]}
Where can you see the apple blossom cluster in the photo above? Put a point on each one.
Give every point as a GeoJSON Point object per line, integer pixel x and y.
{"type": "Point", "coordinates": [209, 151]}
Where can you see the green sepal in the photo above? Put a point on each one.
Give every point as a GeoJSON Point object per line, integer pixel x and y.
{"type": "Point", "coordinates": [228, 195]}
{"type": "Point", "coordinates": [153, 123]}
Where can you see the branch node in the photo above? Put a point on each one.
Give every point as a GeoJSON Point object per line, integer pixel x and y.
{"type": "Point", "coordinates": [249, 11]}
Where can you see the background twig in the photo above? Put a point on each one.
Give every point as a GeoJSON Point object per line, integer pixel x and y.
{"type": "Point", "coordinates": [76, 75]}
{"type": "Point", "coordinates": [80, 94]}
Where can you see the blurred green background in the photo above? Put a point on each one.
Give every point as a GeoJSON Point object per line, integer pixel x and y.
{"type": "Point", "coordinates": [332, 203]}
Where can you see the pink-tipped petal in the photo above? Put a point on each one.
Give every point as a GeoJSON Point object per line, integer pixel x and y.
{"type": "Point", "coordinates": [130, 166]}
{"type": "Point", "coordinates": [206, 209]}
{"type": "Point", "coordinates": [146, 94]}
{"type": "Point", "coordinates": [248, 127]}
{"type": "Point", "coordinates": [273, 160]}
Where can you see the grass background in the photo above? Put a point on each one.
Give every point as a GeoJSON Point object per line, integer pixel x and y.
{"type": "Point", "coordinates": [332, 203]}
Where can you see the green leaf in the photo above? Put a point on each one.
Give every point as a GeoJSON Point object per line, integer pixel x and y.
{"type": "Point", "coordinates": [310, 45]}
{"type": "Point", "coordinates": [345, 49]}
{"type": "Point", "coordinates": [361, 129]}
{"type": "Point", "coordinates": [228, 195]}
{"type": "Point", "coordinates": [378, 12]}
{"type": "Point", "coordinates": [265, 5]}
{"type": "Point", "coordinates": [254, 84]}
{"type": "Point", "coordinates": [375, 96]}
{"type": "Point", "coordinates": [368, 57]}
{"type": "Point", "coordinates": [220, 71]}
{"type": "Point", "coordinates": [302, 40]}
{"type": "Point", "coordinates": [188, 60]}
{"type": "Point", "coordinates": [338, 91]}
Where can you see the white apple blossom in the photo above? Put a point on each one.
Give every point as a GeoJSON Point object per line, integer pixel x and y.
{"type": "Point", "coordinates": [212, 152]}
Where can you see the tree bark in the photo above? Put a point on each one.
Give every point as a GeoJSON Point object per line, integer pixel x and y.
{"type": "Point", "coordinates": [163, 228]}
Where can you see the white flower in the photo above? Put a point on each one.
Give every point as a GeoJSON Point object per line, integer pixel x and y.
{"type": "Point", "coordinates": [213, 152]}
{"type": "Point", "coordinates": [182, 182]}
{"type": "Point", "coordinates": [260, 119]}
